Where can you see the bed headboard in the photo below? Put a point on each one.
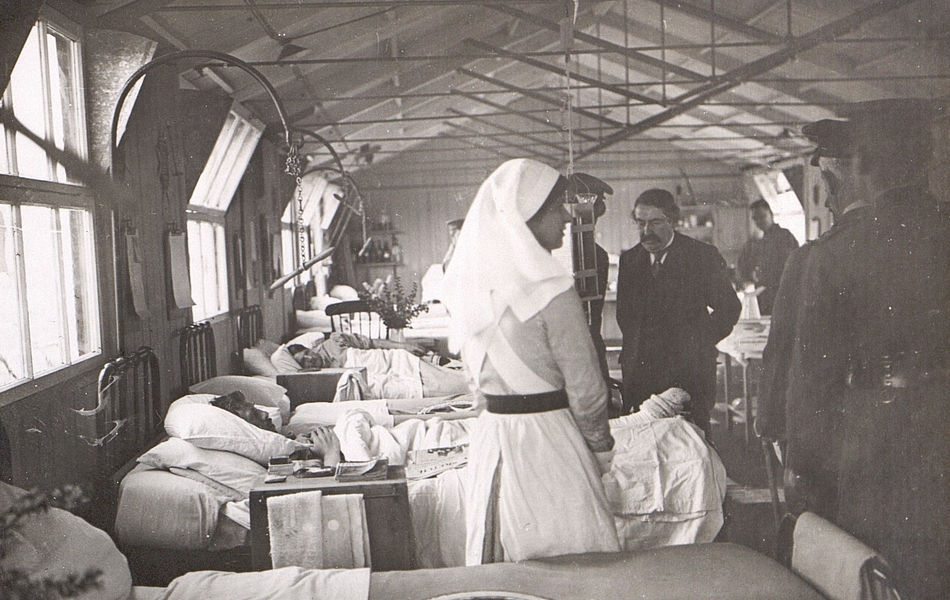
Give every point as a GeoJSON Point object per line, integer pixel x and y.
{"type": "Point", "coordinates": [130, 414]}
{"type": "Point", "coordinates": [198, 358]}
{"type": "Point", "coordinates": [303, 294]}
{"type": "Point", "coordinates": [250, 326]}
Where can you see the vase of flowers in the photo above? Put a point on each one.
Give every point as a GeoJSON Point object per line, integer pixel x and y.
{"type": "Point", "coordinates": [396, 307]}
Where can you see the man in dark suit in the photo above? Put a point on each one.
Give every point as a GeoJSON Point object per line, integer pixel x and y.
{"type": "Point", "coordinates": [873, 346]}
{"type": "Point", "coordinates": [674, 303]}
{"type": "Point", "coordinates": [777, 243]}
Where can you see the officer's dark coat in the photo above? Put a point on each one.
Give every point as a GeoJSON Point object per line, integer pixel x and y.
{"type": "Point", "coordinates": [879, 293]}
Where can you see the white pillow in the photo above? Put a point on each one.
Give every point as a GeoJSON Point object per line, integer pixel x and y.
{"type": "Point", "coordinates": [257, 362]}
{"type": "Point", "coordinates": [313, 320]}
{"type": "Point", "coordinates": [344, 292]}
{"type": "Point", "coordinates": [255, 389]}
{"type": "Point", "coordinates": [284, 361]}
{"type": "Point", "coordinates": [228, 469]}
{"type": "Point", "coordinates": [193, 419]}
{"type": "Point", "coordinates": [321, 302]}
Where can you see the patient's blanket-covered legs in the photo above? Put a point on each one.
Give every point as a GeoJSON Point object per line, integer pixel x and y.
{"type": "Point", "coordinates": [311, 530]}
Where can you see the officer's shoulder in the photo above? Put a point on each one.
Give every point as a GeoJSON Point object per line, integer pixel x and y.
{"type": "Point", "coordinates": [858, 220]}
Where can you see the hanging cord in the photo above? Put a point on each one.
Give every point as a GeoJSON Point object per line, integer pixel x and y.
{"type": "Point", "coordinates": [292, 167]}
{"type": "Point", "coordinates": [567, 41]}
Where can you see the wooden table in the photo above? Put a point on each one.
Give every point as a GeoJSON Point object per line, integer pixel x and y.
{"type": "Point", "coordinates": [387, 516]}
{"type": "Point", "coordinates": [744, 346]}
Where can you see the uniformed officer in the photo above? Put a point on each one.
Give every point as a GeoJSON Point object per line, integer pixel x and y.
{"type": "Point", "coordinates": [872, 355]}
{"type": "Point", "coordinates": [818, 489]}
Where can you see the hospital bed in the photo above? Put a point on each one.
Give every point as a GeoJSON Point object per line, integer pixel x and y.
{"type": "Point", "coordinates": [171, 519]}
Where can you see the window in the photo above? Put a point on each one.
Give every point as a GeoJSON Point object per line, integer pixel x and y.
{"type": "Point", "coordinates": [50, 303]}
{"type": "Point", "coordinates": [209, 201]}
{"type": "Point", "coordinates": [45, 94]}
{"type": "Point", "coordinates": [208, 267]}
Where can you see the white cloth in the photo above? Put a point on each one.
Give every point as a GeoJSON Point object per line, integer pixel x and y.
{"type": "Point", "coordinates": [289, 583]}
{"type": "Point", "coordinates": [310, 530]}
{"type": "Point", "coordinates": [498, 264]}
{"type": "Point", "coordinates": [389, 373]}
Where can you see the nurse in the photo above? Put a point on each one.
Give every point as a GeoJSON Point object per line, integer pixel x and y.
{"type": "Point", "coordinates": [541, 444]}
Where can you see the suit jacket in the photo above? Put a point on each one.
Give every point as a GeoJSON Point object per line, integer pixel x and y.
{"type": "Point", "coordinates": [693, 279]}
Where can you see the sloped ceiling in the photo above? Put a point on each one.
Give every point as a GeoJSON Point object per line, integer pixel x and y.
{"type": "Point", "coordinates": [699, 82]}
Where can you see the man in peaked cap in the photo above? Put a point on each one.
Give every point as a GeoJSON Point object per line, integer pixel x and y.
{"type": "Point", "coordinates": [872, 351]}
{"type": "Point", "coordinates": [811, 485]}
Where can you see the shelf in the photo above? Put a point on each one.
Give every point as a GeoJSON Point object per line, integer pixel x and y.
{"type": "Point", "coordinates": [378, 264]}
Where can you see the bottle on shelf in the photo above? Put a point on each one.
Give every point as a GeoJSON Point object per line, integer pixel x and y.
{"type": "Point", "coordinates": [395, 251]}
{"type": "Point", "coordinates": [387, 252]}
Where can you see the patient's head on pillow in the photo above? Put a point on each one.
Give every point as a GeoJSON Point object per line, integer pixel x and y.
{"type": "Point", "coordinates": [306, 357]}
{"type": "Point", "coordinates": [237, 404]}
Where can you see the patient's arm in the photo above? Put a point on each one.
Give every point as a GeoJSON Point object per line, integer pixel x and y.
{"type": "Point", "coordinates": [322, 443]}
{"type": "Point", "coordinates": [659, 406]}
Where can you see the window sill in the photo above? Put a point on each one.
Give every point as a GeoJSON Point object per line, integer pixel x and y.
{"type": "Point", "coordinates": [30, 387]}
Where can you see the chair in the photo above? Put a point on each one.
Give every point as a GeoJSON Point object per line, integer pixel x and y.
{"type": "Point", "coordinates": [355, 316]}
{"type": "Point", "coordinates": [834, 562]}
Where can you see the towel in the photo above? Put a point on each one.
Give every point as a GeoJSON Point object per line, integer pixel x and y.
{"type": "Point", "coordinates": [835, 563]}
{"type": "Point", "coordinates": [295, 523]}
{"type": "Point", "coordinates": [311, 530]}
{"type": "Point", "coordinates": [351, 386]}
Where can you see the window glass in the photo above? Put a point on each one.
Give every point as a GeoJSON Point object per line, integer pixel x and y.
{"type": "Point", "coordinates": [49, 299]}
{"type": "Point", "coordinates": [45, 95]}
{"type": "Point", "coordinates": [50, 312]}
{"type": "Point", "coordinates": [208, 268]}
{"type": "Point", "coordinates": [13, 361]}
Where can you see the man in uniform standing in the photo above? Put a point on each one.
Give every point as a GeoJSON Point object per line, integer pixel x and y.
{"type": "Point", "coordinates": [874, 345]}
{"type": "Point", "coordinates": [833, 155]}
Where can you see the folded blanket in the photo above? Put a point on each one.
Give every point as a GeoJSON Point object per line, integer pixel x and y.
{"type": "Point", "coordinates": [835, 563]}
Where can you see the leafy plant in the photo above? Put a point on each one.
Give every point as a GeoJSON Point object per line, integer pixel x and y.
{"type": "Point", "coordinates": [17, 584]}
{"type": "Point", "coordinates": [394, 305]}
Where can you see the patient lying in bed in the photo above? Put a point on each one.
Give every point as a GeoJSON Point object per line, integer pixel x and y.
{"type": "Point", "coordinates": [319, 442]}
{"type": "Point", "coordinates": [394, 369]}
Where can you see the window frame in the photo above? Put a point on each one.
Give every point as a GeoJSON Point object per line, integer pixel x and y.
{"type": "Point", "coordinates": [67, 193]}
{"type": "Point", "coordinates": [216, 218]}
{"type": "Point", "coordinates": [20, 191]}
{"type": "Point", "coordinates": [50, 21]}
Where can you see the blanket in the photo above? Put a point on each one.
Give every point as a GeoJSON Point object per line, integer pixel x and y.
{"type": "Point", "coordinates": [288, 583]}
{"type": "Point", "coordinates": [665, 486]}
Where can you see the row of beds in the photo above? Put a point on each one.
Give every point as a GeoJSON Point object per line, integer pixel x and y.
{"type": "Point", "coordinates": [171, 521]}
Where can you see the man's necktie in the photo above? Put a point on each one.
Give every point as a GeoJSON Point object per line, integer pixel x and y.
{"type": "Point", "coordinates": [657, 264]}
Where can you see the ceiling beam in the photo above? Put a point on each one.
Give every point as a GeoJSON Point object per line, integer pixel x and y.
{"type": "Point", "coordinates": [525, 115]}
{"type": "Point", "coordinates": [719, 19]}
{"type": "Point", "coordinates": [338, 4]}
{"type": "Point", "coordinates": [736, 77]}
{"type": "Point", "coordinates": [540, 97]}
{"type": "Point", "coordinates": [481, 147]}
{"type": "Point", "coordinates": [603, 44]}
{"type": "Point", "coordinates": [481, 119]}
{"type": "Point", "coordinates": [560, 71]}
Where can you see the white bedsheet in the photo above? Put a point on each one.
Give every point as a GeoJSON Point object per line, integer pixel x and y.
{"type": "Point", "coordinates": [666, 484]}
{"type": "Point", "coordinates": [666, 487]}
